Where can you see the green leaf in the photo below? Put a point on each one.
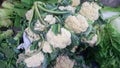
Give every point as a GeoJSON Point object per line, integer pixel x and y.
{"type": "Point", "coordinates": [2, 64]}
{"type": "Point", "coordinates": [17, 21]}
{"type": "Point", "coordinates": [109, 52]}
{"type": "Point", "coordinates": [5, 23]}
{"type": "Point", "coordinates": [75, 39]}
{"type": "Point", "coordinates": [28, 1]}
{"type": "Point", "coordinates": [111, 9]}
{"type": "Point", "coordinates": [5, 12]}
{"type": "Point", "coordinates": [6, 34]}
{"type": "Point", "coordinates": [56, 28]}
{"type": "Point", "coordinates": [34, 45]}
{"type": "Point", "coordinates": [50, 1]}
{"type": "Point", "coordinates": [2, 56]}
{"type": "Point", "coordinates": [7, 4]}
{"type": "Point", "coordinates": [20, 12]}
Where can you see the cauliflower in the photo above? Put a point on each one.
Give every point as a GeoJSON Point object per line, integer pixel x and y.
{"type": "Point", "coordinates": [92, 41]}
{"type": "Point", "coordinates": [35, 60]}
{"type": "Point", "coordinates": [32, 36]}
{"type": "Point", "coordinates": [46, 47]}
{"type": "Point", "coordinates": [60, 40]}
{"type": "Point", "coordinates": [38, 26]}
{"type": "Point", "coordinates": [50, 19]}
{"type": "Point", "coordinates": [69, 8]}
{"type": "Point", "coordinates": [75, 2]}
{"type": "Point", "coordinates": [77, 23]}
{"type": "Point", "coordinates": [29, 14]}
{"type": "Point", "coordinates": [90, 10]}
{"type": "Point", "coordinates": [64, 62]}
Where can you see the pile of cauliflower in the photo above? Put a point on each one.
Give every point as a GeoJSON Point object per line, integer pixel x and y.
{"type": "Point", "coordinates": [76, 23]}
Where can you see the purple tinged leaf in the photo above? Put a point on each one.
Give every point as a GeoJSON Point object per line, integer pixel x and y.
{"type": "Point", "coordinates": [26, 43]}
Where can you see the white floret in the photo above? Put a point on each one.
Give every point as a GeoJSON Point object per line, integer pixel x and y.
{"type": "Point", "coordinates": [35, 60]}
{"type": "Point", "coordinates": [68, 8]}
{"type": "Point", "coordinates": [38, 26]}
{"type": "Point", "coordinates": [64, 62]}
{"type": "Point", "coordinates": [61, 7]}
{"type": "Point", "coordinates": [61, 40]}
{"type": "Point", "coordinates": [31, 35]}
{"type": "Point", "coordinates": [29, 14]}
{"type": "Point", "coordinates": [46, 47]}
{"type": "Point", "coordinates": [77, 23]}
{"type": "Point", "coordinates": [92, 41]}
{"type": "Point", "coordinates": [90, 10]}
{"type": "Point", "coordinates": [50, 19]}
{"type": "Point", "coordinates": [75, 2]}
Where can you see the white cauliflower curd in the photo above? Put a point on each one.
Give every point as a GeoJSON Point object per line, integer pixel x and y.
{"type": "Point", "coordinates": [64, 62]}
{"type": "Point", "coordinates": [29, 14]}
{"type": "Point", "coordinates": [75, 2]}
{"type": "Point", "coordinates": [50, 19]}
{"type": "Point", "coordinates": [61, 40]}
{"type": "Point", "coordinates": [90, 10]}
{"type": "Point", "coordinates": [93, 40]}
{"type": "Point", "coordinates": [77, 23]}
{"type": "Point", "coordinates": [31, 35]}
{"type": "Point", "coordinates": [38, 26]}
{"type": "Point", "coordinates": [69, 8]}
{"type": "Point", "coordinates": [35, 60]}
{"type": "Point", "coordinates": [46, 47]}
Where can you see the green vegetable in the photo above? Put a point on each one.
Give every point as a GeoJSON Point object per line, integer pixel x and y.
{"type": "Point", "coordinates": [116, 24]}
{"type": "Point", "coordinates": [39, 4]}
{"type": "Point", "coordinates": [7, 4]}
{"type": "Point", "coordinates": [111, 9]}
{"type": "Point", "coordinates": [109, 47]}
{"type": "Point", "coordinates": [56, 28]}
{"type": "Point", "coordinates": [6, 34]}
{"type": "Point", "coordinates": [5, 23]}
{"type": "Point", "coordinates": [5, 12]}
{"type": "Point", "coordinates": [17, 37]}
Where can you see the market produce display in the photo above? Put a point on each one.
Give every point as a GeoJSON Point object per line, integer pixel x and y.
{"type": "Point", "coordinates": [59, 34]}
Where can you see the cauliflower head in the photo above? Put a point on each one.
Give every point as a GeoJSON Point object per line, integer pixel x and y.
{"type": "Point", "coordinates": [61, 40]}
{"type": "Point", "coordinates": [90, 10]}
{"type": "Point", "coordinates": [75, 2]}
{"type": "Point", "coordinates": [93, 40]}
{"type": "Point", "coordinates": [46, 47]}
{"type": "Point", "coordinates": [38, 26]}
{"type": "Point", "coordinates": [31, 35]}
{"type": "Point", "coordinates": [64, 62]}
{"type": "Point", "coordinates": [35, 60]}
{"type": "Point", "coordinates": [50, 19]}
{"type": "Point", "coordinates": [77, 23]}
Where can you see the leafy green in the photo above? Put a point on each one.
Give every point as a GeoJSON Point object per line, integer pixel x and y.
{"type": "Point", "coordinates": [109, 53]}
{"type": "Point", "coordinates": [6, 34]}
{"type": "Point", "coordinates": [50, 1]}
{"type": "Point", "coordinates": [34, 45]}
{"type": "Point", "coordinates": [56, 28]}
{"type": "Point", "coordinates": [111, 9]}
{"type": "Point", "coordinates": [20, 12]}
{"type": "Point", "coordinates": [7, 4]}
{"type": "Point", "coordinates": [4, 13]}
{"type": "Point", "coordinates": [5, 23]}
{"type": "Point", "coordinates": [28, 2]}
{"type": "Point", "coordinates": [75, 39]}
